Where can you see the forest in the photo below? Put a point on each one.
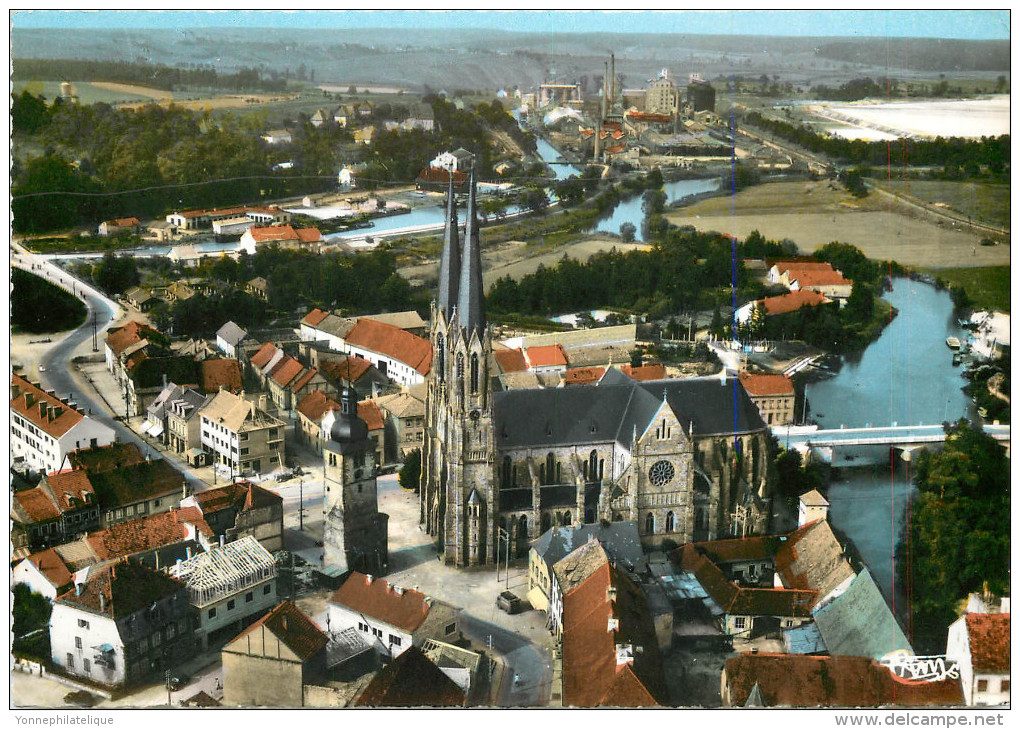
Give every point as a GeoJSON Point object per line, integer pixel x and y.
{"type": "Point", "coordinates": [957, 540]}
{"type": "Point", "coordinates": [38, 306]}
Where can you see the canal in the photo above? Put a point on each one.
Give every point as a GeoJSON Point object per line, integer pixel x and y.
{"type": "Point", "coordinates": [905, 377]}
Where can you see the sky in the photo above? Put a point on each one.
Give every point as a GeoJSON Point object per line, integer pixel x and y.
{"type": "Point", "coordinates": [966, 24]}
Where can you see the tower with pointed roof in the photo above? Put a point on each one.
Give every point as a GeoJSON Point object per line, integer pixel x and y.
{"type": "Point", "coordinates": [354, 532]}
{"type": "Point", "coordinates": [457, 486]}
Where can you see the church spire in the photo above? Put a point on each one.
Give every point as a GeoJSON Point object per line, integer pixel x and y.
{"type": "Point", "coordinates": [449, 264]}
{"type": "Point", "coordinates": [471, 300]}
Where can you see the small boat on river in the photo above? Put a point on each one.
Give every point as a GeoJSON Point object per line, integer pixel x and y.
{"type": "Point", "coordinates": [953, 343]}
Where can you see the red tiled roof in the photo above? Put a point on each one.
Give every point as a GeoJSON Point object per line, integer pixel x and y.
{"type": "Point", "coordinates": [814, 681]}
{"type": "Point", "coordinates": [393, 342]}
{"type": "Point", "coordinates": [511, 360]}
{"type": "Point", "coordinates": [379, 601]}
{"type": "Point", "coordinates": [350, 369]}
{"type": "Point", "coordinates": [221, 372]}
{"type": "Point", "coordinates": [286, 370]}
{"type": "Point", "coordinates": [37, 504]}
{"type": "Point", "coordinates": [123, 222]}
{"type": "Point", "coordinates": [316, 404]}
{"type": "Point", "coordinates": [314, 317]}
{"type": "Point", "coordinates": [304, 379]}
{"type": "Point", "coordinates": [52, 567]}
{"type": "Point", "coordinates": [148, 532]}
{"type": "Point", "coordinates": [591, 674]}
{"type": "Point", "coordinates": [645, 373]}
{"type": "Point", "coordinates": [739, 550]}
{"type": "Point", "coordinates": [263, 355]}
{"type": "Point", "coordinates": [242, 495]}
{"type": "Point", "coordinates": [645, 116]}
{"type": "Point", "coordinates": [807, 279]}
{"type": "Point", "coordinates": [308, 235]}
{"type": "Point", "coordinates": [120, 338]}
{"type": "Point", "coordinates": [437, 174]}
{"type": "Point", "coordinates": [411, 679]}
{"type": "Point", "coordinates": [547, 356]}
{"type": "Point", "coordinates": [272, 233]}
{"type": "Point", "coordinates": [803, 264]}
{"type": "Point", "coordinates": [584, 375]}
{"type": "Point", "coordinates": [370, 413]}
{"type": "Point", "coordinates": [989, 642]}
{"type": "Point", "coordinates": [27, 403]}
{"type": "Point", "coordinates": [792, 301]}
{"type": "Point", "coordinates": [760, 385]}
{"type": "Point", "coordinates": [69, 484]}
{"type": "Point", "coordinates": [294, 629]}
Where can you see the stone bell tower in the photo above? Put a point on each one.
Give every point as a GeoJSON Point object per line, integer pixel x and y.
{"type": "Point", "coordinates": [354, 532]}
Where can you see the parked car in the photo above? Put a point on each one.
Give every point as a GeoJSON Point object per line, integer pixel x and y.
{"type": "Point", "coordinates": [508, 602]}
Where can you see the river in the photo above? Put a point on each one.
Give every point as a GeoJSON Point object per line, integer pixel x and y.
{"type": "Point", "coordinates": [905, 377]}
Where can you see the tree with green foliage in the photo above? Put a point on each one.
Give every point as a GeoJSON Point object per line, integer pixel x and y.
{"type": "Point", "coordinates": [31, 610]}
{"type": "Point", "coordinates": [627, 232]}
{"type": "Point", "coordinates": [38, 306]}
{"type": "Point", "coordinates": [957, 540]}
{"type": "Point", "coordinates": [410, 472]}
{"type": "Point", "coordinates": [115, 274]}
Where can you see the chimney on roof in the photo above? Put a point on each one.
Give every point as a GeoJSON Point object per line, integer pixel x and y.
{"type": "Point", "coordinates": [187, 551]}
{"type": "Point", "coordinates": [223, 540]}
{"type": "Point", "coordinates": [79, 588]}
{"type": "Point", "coordinates": [398, 590]}
{"type": "Point", "coordinates": [284, 622]}
{"type": "Point", "coordinates": [102, 601]}
{"type": "Point", "coordinates": [368, 579]}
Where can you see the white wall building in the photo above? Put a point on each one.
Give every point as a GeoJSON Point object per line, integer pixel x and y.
{"type": "Point", "coordinates": [45, 428]}
{"type": "Point", "coordinates": [979, 642]}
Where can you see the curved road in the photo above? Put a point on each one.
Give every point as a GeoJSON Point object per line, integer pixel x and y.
{"type": "Point", "coordinates": [55, 366]}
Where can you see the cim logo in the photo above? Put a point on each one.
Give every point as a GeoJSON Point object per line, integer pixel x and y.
{"type": "Point", "coordinates": [920, 669]}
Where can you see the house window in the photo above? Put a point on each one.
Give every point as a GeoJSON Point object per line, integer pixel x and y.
{"type": "Point", "coordinates": [156, 502]}
{"type": "Point", "coordinates": [77, 642]}
{"type": "Point", "coordinates": [1004, 686]}
{"type": "Point", "coordinates": [249, 597]}
{"type": "Point", "coordinates": [212, 613]}
{"type": "Point", "coordinates": [394, 640]}
{"type": "Point", "coordinates": [267, 589]}
{"type": "Point", "coordinates": [982, 684]}
{"type": "Point", "coordinates": [83, 623]}
{"type": "Point", "coordinates": [740, 623]}
{"type": "Point", "coordinates": [230, 604]}
{"type": "Point", "coordinates": [87, 665]}
{"type": "Point", "coordinates": [70, 660]}
{"type": "Point", "coordinates": [376, 632]}
{"type": "Point", "coordinates": [363, 627]}
{"type": "Point", "coordinates": [452, 628]}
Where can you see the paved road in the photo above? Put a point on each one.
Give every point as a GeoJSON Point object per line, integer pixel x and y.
{"type": "Point", "coordinates": [55, 366]}
{"type": "Point", "coordinates": [521, 658]}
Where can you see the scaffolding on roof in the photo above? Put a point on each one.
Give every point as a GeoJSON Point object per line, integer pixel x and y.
{"type": "Point", "coordinates": [225, 571]}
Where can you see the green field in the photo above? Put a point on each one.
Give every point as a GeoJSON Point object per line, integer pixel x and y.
{"type": "Point", "coordinates": [986, 202]}
{"type": "Point", "coordinates": [988, 287]}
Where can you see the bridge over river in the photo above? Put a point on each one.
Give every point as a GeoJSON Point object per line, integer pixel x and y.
{"type": "Point", "coordinates": [903, 437]}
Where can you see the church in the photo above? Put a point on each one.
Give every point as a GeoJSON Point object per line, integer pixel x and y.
{"type": "Point", "coordinates": [684, 458]}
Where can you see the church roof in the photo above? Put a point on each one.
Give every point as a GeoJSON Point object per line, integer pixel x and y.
{"type": "Point", "coordinates": [614, 410]}
{"type": "Point", "coordinates": [471, 295]}
{"type": "Point", "coordinates": [449, 263]}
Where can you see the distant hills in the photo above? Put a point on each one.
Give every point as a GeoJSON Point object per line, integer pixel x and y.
{"type": "Point", "coordinates": [471, 58]}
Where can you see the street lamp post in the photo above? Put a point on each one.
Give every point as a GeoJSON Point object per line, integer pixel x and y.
{"type": "Point", "coordinates": [301, 504]}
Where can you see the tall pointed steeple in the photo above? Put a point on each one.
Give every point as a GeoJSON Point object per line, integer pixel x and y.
{"type": "Point", "coordinates": [471, 299]}
{"type": "Point", "coordinates": [449, 263]}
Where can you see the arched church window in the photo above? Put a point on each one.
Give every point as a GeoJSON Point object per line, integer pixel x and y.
{"type": "Point", "coordinates": [650, 523]}
{"type": "Point", "coordinates": [593, 466]}
{"type": "Point", "coordinates": [474, 373]}
{"type": "Point", "coordinates": [670, 523]}
{"type": "Point", "coordinates": [460, 374]}
{"type": "Point", "coordinates": [550, 467]}
{"type": "Point", "coordinates": [441, 351]}
{"type": "Point", "coordinates": [565, 518]}
{"type": "Point", "coordinates": [545, 522]}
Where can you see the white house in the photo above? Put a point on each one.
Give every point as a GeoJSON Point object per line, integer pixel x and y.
{"type": "Point", "coordinates": [991, 339]}
{"type": "Point", "coordinates": [45, 428]}
{"type": "Point", "coordinates": [390, 618]}
{"type": "Point", "coordinates": [229, 586]}
{"type": "Point", "coordinates": [228, 337]}
{"type": "Point", "coordinates": [278, 136]}
{"type": "Point", "coordinates": [44, 572]}
{"type": "Point", "coordinates": [232, 226]}
{"type": "Point", "coordinates": [979, 644]}
{"type": "Point", "coordinates": [120, 625]}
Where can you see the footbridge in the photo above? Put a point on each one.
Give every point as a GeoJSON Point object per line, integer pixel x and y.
{"type": "Point", "coordinates": [903, 437]}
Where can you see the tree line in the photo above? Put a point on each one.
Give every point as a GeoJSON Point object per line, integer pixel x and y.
{"type": "Point", "coordinates": [38, 306]}
{"type": "Point", "coordinates": [156, 76]}
{"type": "Point", "coordinates": [990, 152]}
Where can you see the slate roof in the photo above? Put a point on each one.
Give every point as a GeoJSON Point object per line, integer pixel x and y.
{"type": "Point", "coordinates": [806, 640]}
{"type": "Point", "coordinates": [620, 540]}
{"type": "Point", "coordinates": [294, 629]}
{"type": "Point", "coordinates": [988, 635]}
{"type": "Point", "coordinates": [218, 373]}
{"type": "Point", "coordinates": [380, 601]}
{"type": "Point", "coordinates": [591, 673]}
{"type": "Point", "coordinates": [26, 402]}
{"type": "Point", "coordinates": [137, 482]}
{"type": "Point", "coordinates": [126, 587]}
{"type": "Point", "coordinates": [411, 679]}
{"type": "Point", "coordinates": [572, 415]}
{"type": "Point", "coordinates": [146, 533]}
{"type": "Point", "coordinates": [393, 342]}
{"type": "Point", "coordinates": [231, 333]}
{"type": "Point", "coordinates": [859, 623]}
{"type": "Point", "coordinates": [830, 681]}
